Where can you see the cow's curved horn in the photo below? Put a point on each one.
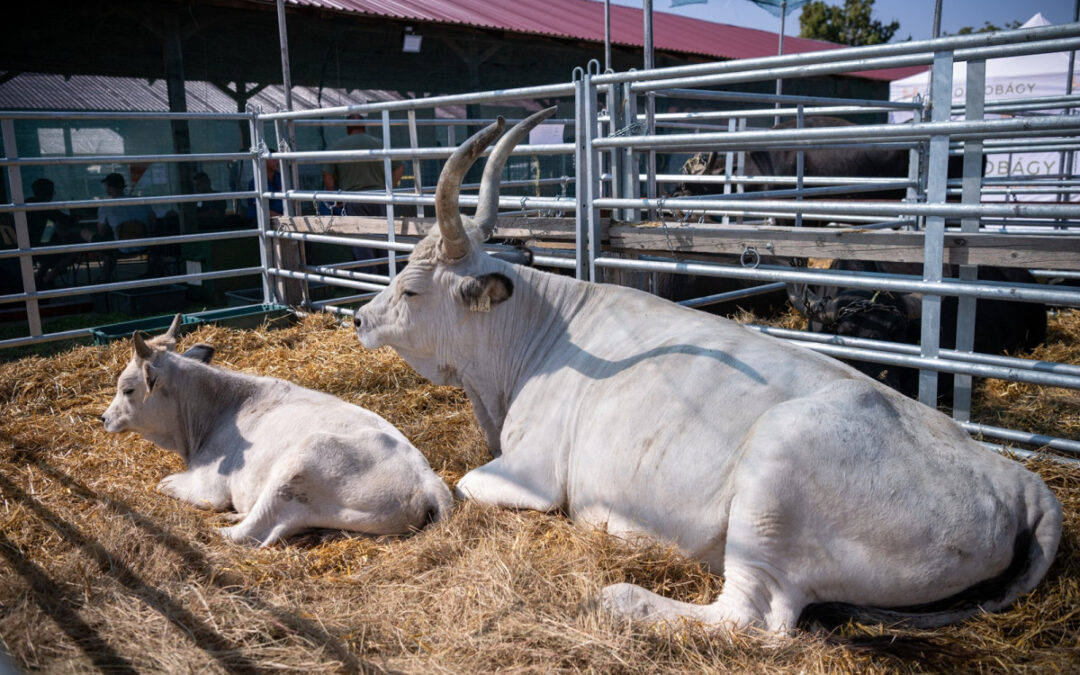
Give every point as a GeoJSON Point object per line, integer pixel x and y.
{"type": "Point", "coordinates": [487, 210]}
{"type": "Point", "coordinates": [455, 241]}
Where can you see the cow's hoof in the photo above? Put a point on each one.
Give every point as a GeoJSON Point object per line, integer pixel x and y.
{"type": "Point", "coordinates": [630, 602]}
{"type": "Point", "coordinates": [234, 534]}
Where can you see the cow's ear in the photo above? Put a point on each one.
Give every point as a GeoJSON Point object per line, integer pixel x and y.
{"type": "Point", "coordinates": [200, 352]}
{"type": "Point", "coordinates": [482, 292]}
{"type": "Point", "coordinates": [150, 378]}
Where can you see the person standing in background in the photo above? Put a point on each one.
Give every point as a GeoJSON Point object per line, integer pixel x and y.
{"type": "Point", "coordinates": [360, 175]}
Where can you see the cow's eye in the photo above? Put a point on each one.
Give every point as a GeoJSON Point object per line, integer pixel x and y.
{"type": "Point", "coordinates": [129, 391]}
{"type": "Point", "coordinates": [409, 294]}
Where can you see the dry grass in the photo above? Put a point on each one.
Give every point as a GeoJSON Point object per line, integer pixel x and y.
{"type": "Point", "coordinates": [100, 572]}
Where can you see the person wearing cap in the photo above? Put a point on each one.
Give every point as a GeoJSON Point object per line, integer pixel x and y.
{"type": "Point", "coordinates": [360, 175]}
{"type": "Point", "coordinates": [111, 216]}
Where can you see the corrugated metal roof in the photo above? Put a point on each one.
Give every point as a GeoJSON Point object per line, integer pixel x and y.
{"type": "Point", "coordinates": [43, 91]}
{"type": "Point", "coordinates": [584, 20]}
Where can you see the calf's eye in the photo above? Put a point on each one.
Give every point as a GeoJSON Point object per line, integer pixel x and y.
{"type": "Point", "coordinates": [129, 391]}
{"type": "Point", "coordinates": [409, 294]}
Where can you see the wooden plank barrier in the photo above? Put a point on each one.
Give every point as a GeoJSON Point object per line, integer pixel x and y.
{"type": "Point", "coordinates": [1036, 251]}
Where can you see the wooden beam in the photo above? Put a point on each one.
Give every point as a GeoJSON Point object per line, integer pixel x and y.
{"type": "Point", "coordinates": [411, 226]}
{"type": "Point", "coordinates": [1034, 251]}
{"type": "Point", "coordinates": [961, 248]}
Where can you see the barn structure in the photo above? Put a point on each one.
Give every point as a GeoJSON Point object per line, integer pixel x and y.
{"type": "Point", "coordinates": [224, 56]}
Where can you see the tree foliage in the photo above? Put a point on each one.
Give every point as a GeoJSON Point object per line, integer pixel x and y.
{"type": "Point", "coordinates": [848, 25]}
{"type": "Point", "coordinates": [989, 28]}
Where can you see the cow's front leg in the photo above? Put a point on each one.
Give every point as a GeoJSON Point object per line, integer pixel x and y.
{"type": "Point", "coordinates": [517, 485]}
{"type": "Point", "coordinates": [196, 488]}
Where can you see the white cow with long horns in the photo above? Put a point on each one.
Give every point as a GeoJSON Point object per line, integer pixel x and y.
{"type": "Point", "coordinates": [802, 480]}
{"type": "Point", "coordinates": [286, 458]}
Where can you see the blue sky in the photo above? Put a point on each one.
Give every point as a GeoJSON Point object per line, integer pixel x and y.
{"type": "Point", "coordinates": [915, 16]}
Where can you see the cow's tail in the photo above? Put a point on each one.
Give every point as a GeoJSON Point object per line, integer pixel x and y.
{"type": "Point", "coordinates": [1033, 552]}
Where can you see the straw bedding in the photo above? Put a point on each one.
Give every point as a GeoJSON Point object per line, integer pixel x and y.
{"type": "Point", "coordinates": [100, 572]}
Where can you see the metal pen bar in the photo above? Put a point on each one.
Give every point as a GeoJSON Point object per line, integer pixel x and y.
{"type": "Point", "coordinates": [343, 241]}
{"type": "Point", "coordinates": [1063, 444]}
{"type": "Point", "coordinates": [332, 280]}
{"type": "Point", "coordinates": [1009, 362]}
{"type": "Point", "coordinates": [886, 209]}
{"type": "Point", "coordinates": [518, 94]}
{"type": "Point", "coordinates": [46, 337]}
{"type": "Point", "coordinates": [94, 203]}
{"type": "Point", "coordinates": [733, 295]}
{"type": "Point", "coordinates": [672, 202]}
{"type": "Point", "coordinates": [866, 280]}
{"type": "Point", "coordinates": [956, 42]}
{"type": "Point", "coordinates": [435, 122]}
{"type": "Point", "coordinates": [690, 117]}
{"type": "Point", "coordinates": [126, 243]}
{"type": "Point", "coordinates": [165, 116]}
{"type": "Point", "coordinates": [938, 364]}
{"type": "Point", "coordinates": [322, 156]}
{"type": "Point", "coordinates": [127, 285]}
{"type": "Point", "coordinates": [558, 203]}
{"type": "Point", "coordinates": [764, 180]}
{"type": "Point", "coordinates": [810, 68]}
{"type": "Point", "coordinates": [124, 159]}
{"type": "Point", "coordinates": [797, 137]}
{"type": "Point", "coordinates": [795, 100]}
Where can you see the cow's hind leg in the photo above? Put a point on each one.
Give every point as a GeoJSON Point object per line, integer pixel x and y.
{"type": "Point", "coordinates": [750, 599]}
{"type": "Point", "coordinates": [273, 517]}
{"type": "Point", "coordinates": [759, 591]}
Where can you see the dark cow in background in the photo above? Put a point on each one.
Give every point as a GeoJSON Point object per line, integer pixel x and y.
{"type": "Point", "coordinates": [853, 161]}
{"type": "Point", "coordinates": [1000, 326]}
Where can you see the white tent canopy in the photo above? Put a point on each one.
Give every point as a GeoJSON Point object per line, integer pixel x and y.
{"type": "Point", "coordinates": [1006, 78]}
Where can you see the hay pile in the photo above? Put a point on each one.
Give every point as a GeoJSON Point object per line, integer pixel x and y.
{"type": "Point", "coordinates": [100, 572]}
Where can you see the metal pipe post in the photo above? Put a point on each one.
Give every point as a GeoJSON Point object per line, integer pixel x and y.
{"type": "Point", "coordinates": [389, 183]}
{"type": "Point", "coordinates": [592, 170]}
{"type": "Point", "coordinates": [780, 52]}
{"type": "Point", "coordinates": [934, 249]}
{"type": "Point", "coordinates": [22, 231]}
{"type": "Point", "coordinates": [970, 193]}
{"type": "Point", "coordinates": [581, 257]}
{"type": "Point", "coordinates": [262, 207]}
{"type": "Point", "coordinates": [607, 35]}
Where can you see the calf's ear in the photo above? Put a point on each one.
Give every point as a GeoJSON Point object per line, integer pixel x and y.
{"type": "Point", "coordinates": [482, 292]}
{"type": "Point", "coordinates": [150, 378]}
{"type": "Point", "coordinates": [200, 352]}
{"type": "Point", "coordinates": [142, 350]}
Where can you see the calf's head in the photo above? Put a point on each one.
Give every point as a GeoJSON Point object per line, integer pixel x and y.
{"type": "Point", "coordinates": [145, 399]}
{"type": "Point", "coordinates": [449, 281]}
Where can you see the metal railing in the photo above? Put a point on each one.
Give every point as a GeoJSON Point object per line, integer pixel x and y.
{"type": "Point", "coordinates": [614, 168]}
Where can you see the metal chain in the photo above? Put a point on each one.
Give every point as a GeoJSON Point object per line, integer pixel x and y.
{"type": "Point", "coordinates": [633, 129]}
{"type": "Point", "coordinates": [664, 225]}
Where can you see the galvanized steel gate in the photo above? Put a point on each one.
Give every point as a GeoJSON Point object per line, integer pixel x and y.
{"type": "Point", "coordinates": [614, 149]}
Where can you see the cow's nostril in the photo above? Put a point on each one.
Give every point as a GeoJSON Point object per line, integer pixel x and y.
{"type": "Point", "coordinates": [357, 321]}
